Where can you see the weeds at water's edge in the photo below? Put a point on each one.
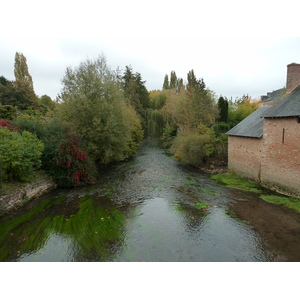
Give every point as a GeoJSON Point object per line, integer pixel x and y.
{"type": "Point", "coordinates": [202, 205]}
{"type": "Point", "coordinates": [289, 202]}
{"type": "Point", "coordinates": [234, 181]}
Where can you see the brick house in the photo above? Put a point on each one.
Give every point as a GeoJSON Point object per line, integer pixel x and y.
{"type": "Point", "coordinates": [265, 146]}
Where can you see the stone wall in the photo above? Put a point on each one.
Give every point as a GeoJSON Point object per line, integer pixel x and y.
{"type": "Point", "coordinates": [30, 191]}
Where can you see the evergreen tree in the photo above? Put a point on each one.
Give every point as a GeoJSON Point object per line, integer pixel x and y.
{"type": "Point", "coordinates": [223, 109]}
{"type": "Point", "coordinates": [135, 91]}
{"type": "Point", "coordinates": [21, 69]}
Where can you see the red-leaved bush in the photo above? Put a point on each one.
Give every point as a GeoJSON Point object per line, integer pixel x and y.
{"type": "Point", "coordinates": [7, 124]}
{"type": "Point", "coordinates": [73, 165]}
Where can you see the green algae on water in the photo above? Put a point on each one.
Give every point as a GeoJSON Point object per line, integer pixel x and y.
{"type": "Point", "coordinates": [202, 205]}
{"type": "Point", "coordinates": [89, 230]}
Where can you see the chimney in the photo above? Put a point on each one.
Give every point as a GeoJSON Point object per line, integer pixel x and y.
{"type": "Point", "coordinates": [293, 77]}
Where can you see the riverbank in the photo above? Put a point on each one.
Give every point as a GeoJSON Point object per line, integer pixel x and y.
{"type": "Point", "coordinates": [16, 194]}
{"type": "Point", "coordinates": [237, 182]}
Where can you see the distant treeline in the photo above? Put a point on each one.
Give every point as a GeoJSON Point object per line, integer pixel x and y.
{"type": "Point", "coordinates": [102, 115]}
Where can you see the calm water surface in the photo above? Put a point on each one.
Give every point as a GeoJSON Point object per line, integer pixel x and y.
{"type": "Point", "coordinates": [141, 210]}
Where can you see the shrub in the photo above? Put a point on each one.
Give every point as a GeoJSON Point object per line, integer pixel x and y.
{"type": "Point", "coordinates": [8, 112]}
{"type": "Point", "coordinates": [8, 124]}
{"type": "Point", "coordinates": [19, 154]}
{"type": "Point", "coordinates": [71, 165]}
{"type": "Point", "coordinates": [192, 148]}
{"type": "Point", "coordinates": [169, 134]}
{"type": "Point", "coordinates": [64, 157]}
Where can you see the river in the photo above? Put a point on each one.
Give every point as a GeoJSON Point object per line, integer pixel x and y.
{"type": "Point", "coordinates": [145, 210]}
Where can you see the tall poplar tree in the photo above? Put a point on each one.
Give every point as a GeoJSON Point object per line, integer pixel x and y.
{"type": "Point", "coordinates": [173, 80]}
{"type": "Point", "coordinates": [166, 83]}
{"type": "Point", "coordinates": [21, 69]}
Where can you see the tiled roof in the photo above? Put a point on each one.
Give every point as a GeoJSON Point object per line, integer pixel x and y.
{"type": "Point", "coordinates": [275, 95]}
{"type": "Point", "coordinates": [288, 107]}
{"type": "Point", "coordinates": [252, 126]}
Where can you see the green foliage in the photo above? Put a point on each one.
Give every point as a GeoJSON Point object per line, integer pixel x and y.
{"type": "Point", "coordinates": [18, 94]}
{"type": "Point", "coordinates": [166, 83]}
{"type": "Point", "coordinates": [202, 205]}
{"type": "Point", "coordinates": [93, 101]}
{"type": "Point", "coordinates": [91, 229]}
{"type": "Point", "coordinates": [175, 84]}
{"type": "Point", "coordinates": [189, 108]}
{"type": "Point", "coordinates": [173, 80]}
{"type": "Point", "coordinates": [192, 148]}
{"type": "Point", "coordinates": [223, 108]}
{"type": "Point", "coordinates": [235, 181]}
{"type": "Point", "coordinates": [241, 109]}
{"type": "Point", "coordinates": [65, 158]}
{"type": "Point", "coordinates": [1, 174]}
{"type": "Point", "coordinates": [168, 136]}
{"type": "Point", "coordinates": [7, 112]}
{"type": "Point", "coordinates": [157, 99]}
{"type": "Point", "coordinates": [135, 129]}
{"type": "Point", "coordinates": [21, 70]}
{"type": "Point", "coordinates": [135, 91]}
{"type": "Point", "coordinates": [46, 104]}
{"type": "Point", "coordinates": [220, 128]}
{"type": "Point", "coordinates": [19, 153]}
{"type": "Point", "coordinates": [154, 123]}
{"type": "Point", "coordinates": [289, 202]}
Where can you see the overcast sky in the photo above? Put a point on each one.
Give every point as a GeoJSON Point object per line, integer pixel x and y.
{"type": "Point", "coordinates": [154, 39]}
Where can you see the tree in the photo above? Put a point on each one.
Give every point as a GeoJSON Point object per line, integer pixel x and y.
{"type": "Point", "coordinates": [3, 81]}
{"type": "Point", "coordinates": [194, 84]}
{"type": "Point", "coordinates": [21, 69]}
{"type": "Point", "coordinates": [223, 109]}
{"type": "Point", "coordinates": [135, 91]}
{"type": "Point", "coordinates": [241, 109]}
{"type": "Point", "coordinates": [46, 103]}
{"type": "Point", "coordinates": [173, 80]}
{"type": "Point", "coordinates": [200, 103]}
{"type": "Point", "coordinates": [17, 94]}
{"type": "Point", "coordinates": [166, 83]}
{"type": "Point", "coordinates": [94, 102]}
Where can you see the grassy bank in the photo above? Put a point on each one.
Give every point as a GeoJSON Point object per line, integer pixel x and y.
{"type": "Point", "coordinates": [237, 182]}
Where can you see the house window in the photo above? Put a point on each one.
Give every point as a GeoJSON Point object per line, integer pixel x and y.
{"type": "Point", "coordinates": [283, 132]}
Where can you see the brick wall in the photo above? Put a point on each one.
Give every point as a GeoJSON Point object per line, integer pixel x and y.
{"type": "Point", "coordinates": [274, 160]}
{"type": "Point", "coordinates": [244, 156]}
{"type": "Point", "coordinates": [280, 167]}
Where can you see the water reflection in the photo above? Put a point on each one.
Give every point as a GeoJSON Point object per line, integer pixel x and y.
{"type": "Point", "coordinates": [87, 235]}
{"type": "Point", "coordinates": [141, 210]}
{"type": "Point", "coordinates": [159, 234]}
